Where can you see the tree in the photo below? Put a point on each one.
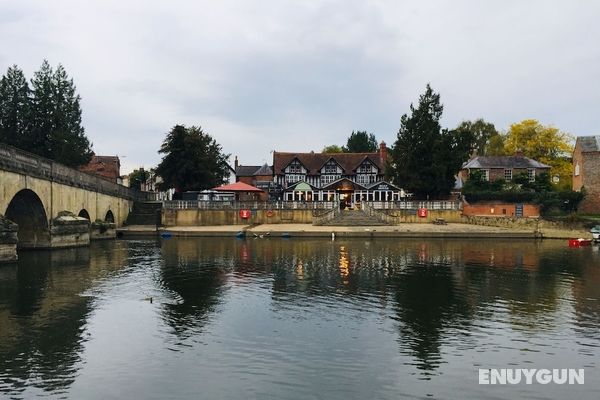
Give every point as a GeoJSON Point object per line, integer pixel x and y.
{"type": "Point", "coordinates": [68, 142]}
{"type": "Point", "coordinates": [545, 144]}
{"type": "Point", "coordinates": [495, 146]}
{"type": "Point", "coordinates": [192, 160]}
{"type": "Point", "coordinates": [333, 148]}
{"type": "Point", "coordinates": [425, 158]}
{"type": "Point", "coordinates": [14, 107]}
{"type": "Point", "coordinates": [361, 142]}
{"type": "Point", "coordinates": [482, 133]}
{"type": "Point", "coordinates": [55, 124]}
{"type": "Point", "coordinates": [137, 177]}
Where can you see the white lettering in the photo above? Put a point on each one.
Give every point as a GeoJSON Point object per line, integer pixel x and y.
{"type": "Point", "coordinates": [498, 377]}
{"type": "Point", "coordinates": [513, 376]}
{"type": "Point", "coordinates": [528, 375]}
{"type": "Point", "coordinates": [559, 376]}
{"type": "Point", "coordinates": [576, 375]}
{"type": "Point", "coordinates": [543, 376]}
{"type": "Point", "coordinates": [484, 376]}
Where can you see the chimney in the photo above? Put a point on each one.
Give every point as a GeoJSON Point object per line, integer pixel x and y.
{"type": "Point", "coordinates": [519, 153]}
{"type": "Point", "coordinates": [383, 152]}
{"type": "Point", "coordinates": [235, 163]}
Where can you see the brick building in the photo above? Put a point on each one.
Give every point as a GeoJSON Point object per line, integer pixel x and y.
{"type": "Point", "coordinates": [107, 167]}
{"type": "Point", "coordinates": [256, 175]}
{"type": "Point", "coordinates": [586, 172]}
{"type": "Point", "coordinates": [503, 167]}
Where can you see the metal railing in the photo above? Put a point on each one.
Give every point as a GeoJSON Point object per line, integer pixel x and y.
{"type": "Point", "coordinates": [247, 205]}
{"type": "Point", "coordinates": [414, 205]}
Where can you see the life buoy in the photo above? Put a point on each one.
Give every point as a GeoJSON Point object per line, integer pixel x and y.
{"type": "Point", "coordinates": [270, 213]}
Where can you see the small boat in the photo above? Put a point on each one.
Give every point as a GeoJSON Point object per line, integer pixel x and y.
{"type": "Point", "coordinates": [596, 233]}
{"type": "Point", "coordinates": [166, 235]}
{"type": "Point", "coordinates": [579, 242]}
{"type": "Point", "coordinates": [240, 235]}
{"type": "Point", "coordinates": [286, 235]}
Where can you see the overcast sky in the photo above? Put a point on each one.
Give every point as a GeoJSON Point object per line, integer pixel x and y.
{"type": "Point", "coordinates": [298, 75]}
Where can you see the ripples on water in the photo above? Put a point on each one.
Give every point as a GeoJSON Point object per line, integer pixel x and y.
{"type": "Point", "coordinates": [273, 318]}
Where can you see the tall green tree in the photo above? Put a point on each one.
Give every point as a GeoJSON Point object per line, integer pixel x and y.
{"type": "Point", "coordinates": [68, 142]}
{"type": "Point", "coordinates": [361, 142]}
{"type": "Point", "coordinates": [14, 107]}
{"type": "Point", "coordinates": [425, 158]}
{"type": "Point", "coordinates": [482, 133]}
{"type": "Point", "coordinates": [56, 131]}
{"type": "Point", "coordinates": [192, 160]}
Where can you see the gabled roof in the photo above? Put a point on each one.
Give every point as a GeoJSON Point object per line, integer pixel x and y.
{"type": "Point", "coordinates": [246, 170]}
{"type": "Point", "coordinates": [264, 170]}
{"type": "Point", "coordinates": [382, 183]}
{"type": "Point", "coordinates": [313, 162]}
{"type": "Point", "coordinates": [503, 162]}
{"type": "Point", "coordinates": [588, 143]}
{"type": "Point", "coordinates": [343, 182]}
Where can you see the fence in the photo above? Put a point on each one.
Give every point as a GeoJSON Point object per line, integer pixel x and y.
{"type": "Point", "coordinates": [247, 205]}
{"type": "Point", "coordinates": [414, 205]}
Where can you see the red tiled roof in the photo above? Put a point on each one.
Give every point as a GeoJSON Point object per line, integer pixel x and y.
{"type": "Point", "coordinates": [313, 162]}
{"type": "Point", "coordinates": [237, 187]}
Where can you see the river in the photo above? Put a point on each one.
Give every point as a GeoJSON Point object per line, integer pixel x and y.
{"type": "Point", "coordinates": [217, 318]}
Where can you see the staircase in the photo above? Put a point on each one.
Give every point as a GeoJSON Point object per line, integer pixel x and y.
{"type": "Point", "coordinates": [144, 213]}
{"type": "Point", "coordinates": [353, 218]}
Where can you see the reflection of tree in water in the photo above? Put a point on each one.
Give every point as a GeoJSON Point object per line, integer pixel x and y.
{"type": "Point", "coordinates": [42, 331]}
{"type": "Point", "coordinates": [427, 303]}
{"type": "Point", "coordinates": [195, 275]}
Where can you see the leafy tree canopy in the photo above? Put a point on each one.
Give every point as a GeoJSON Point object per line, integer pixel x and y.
{"type": "Point", "coordinates": [46, 118]}
{"type": "Point", "coordinates": [137, 177]}
{"type": "Point", "coordinates": [545, 144]}
{"type": "Point", "coordinates": [482, 133]}
{"type": "Point", "coordinates": [425, 158]}
{"type": "Point", "coordinates": [361, 142]}
{"type": "Point", "coordinates": [192, 160]}
{"type": "Point", "coordinates": [334, 148]}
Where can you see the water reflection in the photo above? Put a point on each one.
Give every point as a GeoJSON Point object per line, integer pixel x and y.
{"type": "Point", "coordinates": [265, 316]}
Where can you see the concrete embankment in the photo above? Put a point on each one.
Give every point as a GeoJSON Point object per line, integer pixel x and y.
{"type": "Point", "coordinates": [309, 230]}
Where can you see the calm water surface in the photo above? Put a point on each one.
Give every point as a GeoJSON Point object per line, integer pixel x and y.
{"type": "Point", "coordinates": [298, 319]}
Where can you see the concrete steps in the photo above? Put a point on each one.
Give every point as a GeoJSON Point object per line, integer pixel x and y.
{"type": "Point", "coordinates": [354, 218]}
{"type": "Point", "coordinates": [144, 213]}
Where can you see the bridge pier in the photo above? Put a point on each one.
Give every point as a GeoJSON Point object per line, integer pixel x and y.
{"type": "Point", "coordinates": [100, 230]}
{"type": "Point", "coordinates": [8, 240]}
{"type": "Point", "coordinates": [69, 230]}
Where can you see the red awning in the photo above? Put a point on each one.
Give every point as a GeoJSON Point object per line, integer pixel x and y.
{"type": "Point", "coordinates": [238, 187]}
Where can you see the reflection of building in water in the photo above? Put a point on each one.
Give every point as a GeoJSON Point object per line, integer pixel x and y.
{"type": "Point", "coordinates": [344, 265]}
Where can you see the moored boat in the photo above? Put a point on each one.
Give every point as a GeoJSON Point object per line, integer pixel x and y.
{"type": "Point", "coordinates": [596, 233]}
{"type": "Point", "coordinates": [579, 242]}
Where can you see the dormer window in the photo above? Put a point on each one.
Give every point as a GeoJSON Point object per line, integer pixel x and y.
{"type": "Point", "coordinates": [295, 167]}
{"type": "Point", "coordinates": [330, 168]}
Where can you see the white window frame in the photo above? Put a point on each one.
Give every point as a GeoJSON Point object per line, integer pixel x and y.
{"type": "Point", "coordinates": [577, 169]}
{"type": "Point", "coordinates": [508, 175]}
{"type": "Point", "coordinates": [531, 174]}
{"type": "Point", "coordinates": [486, 175]}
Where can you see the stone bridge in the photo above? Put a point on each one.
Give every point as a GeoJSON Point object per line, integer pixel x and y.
{"type": "Point", "coordinates": [47, 200]}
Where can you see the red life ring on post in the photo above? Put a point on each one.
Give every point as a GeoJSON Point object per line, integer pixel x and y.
{"type": "Point", "coordinates": [270, 213]}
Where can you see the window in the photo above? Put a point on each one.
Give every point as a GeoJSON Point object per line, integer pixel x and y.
{"type": "Point", "coordinates": [531, 174]}
{"type": "Point", "coordinates": [364, 179]}
{"type": "Point", "coordinates": [295, 168]}
{"type": "Point", "coordinates": [366, 168]}
{"type": "Point", "coordinates": [577, 169]}
{"type": "Point", "coordinates": [294, 178]}
{"type": "Point", "coordinates": [508, 175]}
{"type": "Point", "coordinates": [330, 168]}
{"type": "Point", "coordinates": [327, 179]}
{"type": "Point", "coordinates": [486, 174]}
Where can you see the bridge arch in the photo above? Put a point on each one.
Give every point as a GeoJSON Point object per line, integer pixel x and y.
{"type": "Point", "coordinates": [27, 210]}
{"type": "Point", "coordinates": [84, 214]}
{"type": "Point", "coordinates": [110, 217]}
